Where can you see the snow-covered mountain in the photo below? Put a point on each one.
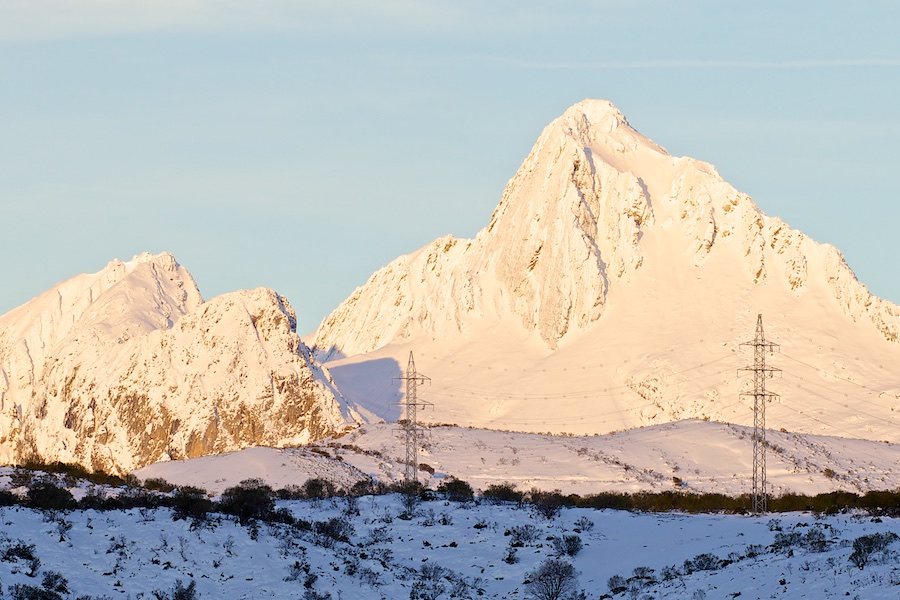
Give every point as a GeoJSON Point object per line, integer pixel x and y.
{"type": "Point", "coordinates": [611, 289]}
{"type": "Point", "coordinates": [129, 366]}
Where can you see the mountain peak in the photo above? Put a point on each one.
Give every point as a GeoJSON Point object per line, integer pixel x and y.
{"type": "Point", "coordinates": [597, 112]}
{"type": "Point", "coordinates": [164, 259]}
{"type": "Point", "coordinates": [597, 211]}
{"type": "Point", "coordinates": [603, 130]}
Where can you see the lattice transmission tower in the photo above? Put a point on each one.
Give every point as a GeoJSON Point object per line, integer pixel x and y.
{"type": "Point", "coordinates": [410, 427]}
{"type": "Point", "coordinates": [760, 397]}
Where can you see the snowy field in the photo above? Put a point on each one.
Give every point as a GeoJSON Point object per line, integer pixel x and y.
{"type": "Point", "coordinates": [690, 455]}
{"type": "Point", "coordinates": [446, 550]}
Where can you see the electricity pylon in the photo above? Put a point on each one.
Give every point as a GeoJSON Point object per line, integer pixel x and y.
{"type": "Point", "coordinates": [760, 397]}
{"type": "Point", "coordinates": [410, 427]}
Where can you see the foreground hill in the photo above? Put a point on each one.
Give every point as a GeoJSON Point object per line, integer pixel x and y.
{"type": "Point", "coordinates": [688, 456]}
{"type": "Point", "coordinates": [611, 289]}
{"type": "Point", "coordinates": [129, 366]}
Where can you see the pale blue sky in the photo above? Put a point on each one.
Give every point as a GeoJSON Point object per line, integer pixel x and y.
{"type": "Point", "coordinates": [303, 145]}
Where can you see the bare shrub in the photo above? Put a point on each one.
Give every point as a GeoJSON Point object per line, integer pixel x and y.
{"type": "Point", "coordinates": [554, 579]}
{"type": "Point", "coordinates": [523, 534]}
{"type": "Point", "coordinates": [866, 545]}
{"type": "Point", "coordinates": [567, 545]}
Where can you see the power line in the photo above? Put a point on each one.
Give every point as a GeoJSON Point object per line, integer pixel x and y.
{"type": "Point", "coordinates": [809, 415]}
{"type": "Point", "coordinates": [865, 387]}
{"type": "Point", "coordinates": [827, 399]}
{"type": "Point", "coordinates": [567, 369]}
{"type": "Point", "coordinates": [585, 394]}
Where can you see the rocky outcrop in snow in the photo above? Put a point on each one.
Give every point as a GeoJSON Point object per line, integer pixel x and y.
{"type": "Point", "coordinates": [129, 366]}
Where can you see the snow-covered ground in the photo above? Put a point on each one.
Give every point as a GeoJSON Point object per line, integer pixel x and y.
{"type": "Point", "coordinates": [446, 546]}
{"type": "Point", "coordinates": [279, 468]}
{"type": "Point", "coordinates": [692, 456]}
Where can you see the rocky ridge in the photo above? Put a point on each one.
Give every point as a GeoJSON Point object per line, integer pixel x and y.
{"type": "Point", "coordinates": [129, 366]}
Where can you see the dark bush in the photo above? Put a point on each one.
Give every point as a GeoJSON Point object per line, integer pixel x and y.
{"type": "Point", "coordinates": [617, 584]}
{"type": "Point", "coordinates": [567, 545]}
{"type": "Point", "coordinates": [55, 582]}
{"type": "Point", "coordinates": [95, 498]}
{"type": "Point", "coordinates": [337, 529]}
{"type": "Point", "coordinates": [644, 576]}
{"type": "Point", "coordinates": [610, 500]}
{"type": "Point", "coordinates": [814, 540]}
{"type": "Point", "coordinates": [251, 499]}
{"type": "Point", "coordinates": [189, 502]}
{"type": "Point", "coordinates": [30, 592]}
{"type": "Point", "coordinates": [411, 493]}
{"type": "Point", "coordinates": [8, 498]}
{"type": "Point", "coordinates": [456, 490]}
{"type": "Point", "coordinates": [791, 503]}
{"type": "Point", "coordinates": [140, 498]}
{"type": "Point", "coordinates": [583, 524]}
{"type": "Point", "coordinates": [702, 562]}
{"type": "Point", "coordinates": [881, 503]}
{"type": "Point", "coordinates": [547, 504]}
{"type": "Point", "coordinates": [98, 499]}
{"type": "Point", "coordinates": [290, 492]}
{"type": "Point", "coordinates": [785, 541]}
{"type": "Point", "coordinates": [319, 488]}
{"type": "Point", "coordinates": [670, 572]}
{"type": "Point", "coordinates": [18, 550]}
{"type": "Point", "coordinates": [46, 496]}
{"type": "Point", "coordinates": [25, 552]}
{"type": "Point", "coordinates": [282, 515]}
{"type": "Point", "coordinates": [179, 592]}
{"type": "Point", "coordinates": [553, 580]}
{"type": "Point", "coordinates": [367, 487]}
{"type": "Point", "coordinates": [158, 484]}
{"type": "Point", "coordinates": [408, 487]}
{"type": "Point", "coordinates": [74, 471]}
{"type": "Point", "coordinates": [522, 534]}
{"type": "Point", "coordinates": [866, 545]}
{"type": "Point", "coordinates": [497, 493]}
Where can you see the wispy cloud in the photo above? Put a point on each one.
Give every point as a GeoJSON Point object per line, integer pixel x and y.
{"type": "Point", "coordinates": [27, 20]}
{"type": "Point", "coordinates": [698, 64]}
{"type": "Point", "coordinates": [32, 20]}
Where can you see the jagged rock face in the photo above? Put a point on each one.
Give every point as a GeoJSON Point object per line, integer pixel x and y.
{"type": "Point", "coordinates": [129, 366]}
{"type": "Point", "coordinates": [593, 205]}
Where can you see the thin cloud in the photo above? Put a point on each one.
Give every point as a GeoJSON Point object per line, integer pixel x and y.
{"type": "Point", "coordinates": [37, 20]}
{"type": "Point", "coordinates": [699, 64]}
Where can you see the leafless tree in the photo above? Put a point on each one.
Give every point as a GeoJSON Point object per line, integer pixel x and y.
{"type": "Point", "coordinates": [555, 579]}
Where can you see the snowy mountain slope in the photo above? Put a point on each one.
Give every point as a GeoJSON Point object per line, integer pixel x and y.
{"type": "Point", "coordinates": [278, 467]}
{"type": "Point", "coordinates": [129, 366]}
{"type": "Point", "coordinates": [612, 288]}
{"type": "Point", "coordinates": [691, 456]}
{"type": "Point", "coordinates": [446, 550]}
